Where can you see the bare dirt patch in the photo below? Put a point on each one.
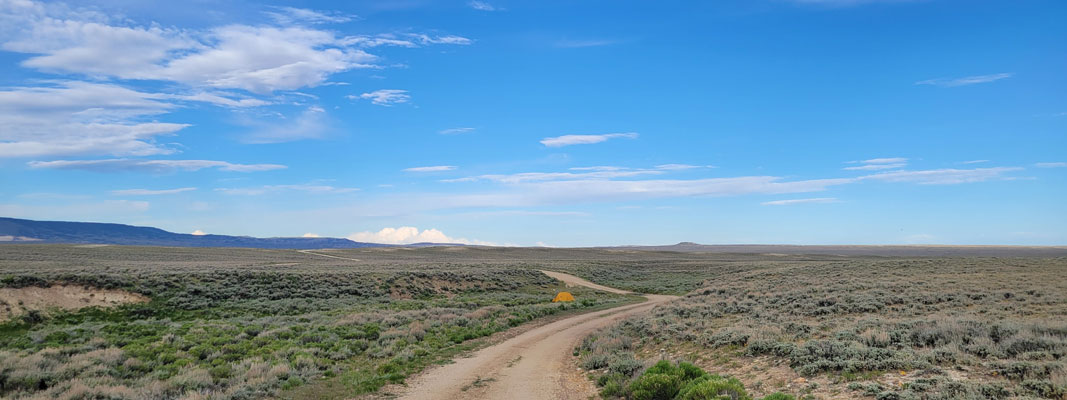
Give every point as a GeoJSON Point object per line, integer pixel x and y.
{"type": "Point", "coordinates": [17, 301]}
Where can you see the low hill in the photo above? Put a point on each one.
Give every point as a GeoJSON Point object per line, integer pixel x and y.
{"type": "Point", "coordinates": [13, 230]}
{"type": "Point", "coordinates": [864, 250]}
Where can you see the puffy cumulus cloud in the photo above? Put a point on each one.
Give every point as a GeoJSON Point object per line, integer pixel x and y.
{"type": "Point", "coordinates": [232, 66]}
{"type": "Point", "coordinates": [259, 59]}
{"type": "Point", "coordinates": [264, 59]}
{"type": "Point", "coordinates": [310, 235]}
{"type": "Point", "coordinates": [568, 140]}
{"type": "Point", "coordinates": [198, 233]}
{"type": "Point", "coordinates": [409, 235]}
{"type": "Point", "coordinates": [154, 166]}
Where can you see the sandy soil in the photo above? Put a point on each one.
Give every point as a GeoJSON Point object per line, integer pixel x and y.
{"type": "Point", "coordinates": [537, 364]}
{"type": "Point", "coordinates": [14, 302]}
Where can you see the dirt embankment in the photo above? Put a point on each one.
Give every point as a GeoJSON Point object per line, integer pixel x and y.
{"type": "Point", "coordinates": [537, 364]}
{"type": "Point", "coordinates": [18, 301]}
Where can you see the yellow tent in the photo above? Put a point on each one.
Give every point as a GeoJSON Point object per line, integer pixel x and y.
{"type": "Point", "coordinates": [563, 296]}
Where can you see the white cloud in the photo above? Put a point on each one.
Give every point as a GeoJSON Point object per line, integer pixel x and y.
{"type": "Point", "coordinates": [1051, 165]}
{"type": "Point", "coordinates": [455, 131]}
{"type": "Point", "coordinates": [593, 172]}
{"type": "Point", "coordinates": [310, 124]}
{"type": "Point", "coordinates": [970, 80]}
{"type": "Point", "coordinates": [292, 15]}
{"type": "Point", "coordinates": [260, 59]}
{"type": "Point", "coordinates": [676, 167]}
{"type": "Point", "coordinates": [70, 118]}
{"type": "Point", "coordinates": [568, 140]}
{"type": "Point", "coordinates": [197, 233]}
{"type": "Point", "coordinates": [150, 192]}
{"type": "Point", "coordinates": [385, 97]}
{"type": "Point", "coordinates": [308, 188]}
{"type": "Point", "coordinates": [447, 39]}
{"type": "Point", "coordinates": [554, 188]}
{"type": "Point", "coordinates": [310, 235]}
{"type": "Point", "coordinates": [598, 168]}
{"type": "Point", "coordinates": [947, 176]}
{"type": "Point", "coordinates": [233, 66]}
{"type": "Point", "coordinates": [557, 176]}
{"type": "Point", "coordinates": [481, 6]}
{"type": "Point", "coordinates": [224, 99]}
{"type": "Point", "coordinates": [409, 235]}
{"type": "Point", "coordinates": [435, 168]}
{"type": "Point", "coordinates": [817, 200]}
{"type": "Point", "coordinates": [153, 166]}
{"type": "Point", "coordinates": [574, 44]}
{"type": "Point", "coordinates": [876, 164]}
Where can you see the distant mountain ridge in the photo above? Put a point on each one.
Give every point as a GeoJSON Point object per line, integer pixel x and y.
{"type": "Point", "coordinates": [14, 230]}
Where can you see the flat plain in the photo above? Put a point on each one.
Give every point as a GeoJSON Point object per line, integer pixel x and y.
{"type": "Point", "coordinates": [243, 323]}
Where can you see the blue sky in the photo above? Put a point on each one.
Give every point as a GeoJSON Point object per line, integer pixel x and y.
{"type": "Point", "coordinates": [556, 123]}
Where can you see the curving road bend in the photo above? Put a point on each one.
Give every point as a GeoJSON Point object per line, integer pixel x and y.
{"type": "Point", "coordinates": [537, 364]}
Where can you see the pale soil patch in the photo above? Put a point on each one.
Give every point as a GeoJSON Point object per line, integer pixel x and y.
{"type": "Point", "coordinates": [536, 364]}
{"type": "Point", "coordinates": [15, 302]}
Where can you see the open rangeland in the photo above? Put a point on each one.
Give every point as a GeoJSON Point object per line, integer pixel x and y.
{"type": "Point", "coordinates": [243, 323]}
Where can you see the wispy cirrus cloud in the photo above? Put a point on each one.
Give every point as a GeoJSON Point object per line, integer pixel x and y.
{"type": "Point", "coordinates": [293, 15]}
{"type": "Point", "coordinates": [969, 80]}
{"type": "Point", "coordinates": [574, 44]}
{"type": "Point", "coordinates": [150, 192]}
{"type": "Point", "coordinates": [151, 166]}
{"type": "Point", "coordinates": [385, 97]}
{"type": "Point", "coordinates": [570, 140]}
{"type": "Point", "coordinates": [946, 176]}
{"type": "Point", "coordinates": [482, 6]}
{"type": "Point", "coordinates": [875, 164]}
{"type": "Point", "coordinates": [309, 124]}
{"type": "Point", "coordinates": [307, 188]}
{"type": "Point", "coordinates": [680, 167]}
{"type": "Point", "coordinates": [816, 200]}
{"type": "Point", "coordinates": [455, 131]}
{"type": "Point", "coordinates": [433, 168]}
{"type": "Point", "coordinates": [1051, 165]}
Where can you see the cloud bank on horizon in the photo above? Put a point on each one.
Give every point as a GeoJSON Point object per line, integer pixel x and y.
{"type": "Point", "coordinates": [271, 120]}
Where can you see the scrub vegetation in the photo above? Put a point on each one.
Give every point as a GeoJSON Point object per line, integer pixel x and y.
{"type": "Point", "coordinates": [947, 328]}
{"type": "Point", "coordinates": [235, 324]}
{"type": "Point", "coordinates": [243, 323]}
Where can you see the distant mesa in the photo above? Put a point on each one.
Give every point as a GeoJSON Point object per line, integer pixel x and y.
{"type": "Point", "coordinates": [14, 230]}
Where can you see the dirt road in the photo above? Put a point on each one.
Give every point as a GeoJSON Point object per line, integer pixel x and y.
{"type": "Point", "coordinates": [537, 364]}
